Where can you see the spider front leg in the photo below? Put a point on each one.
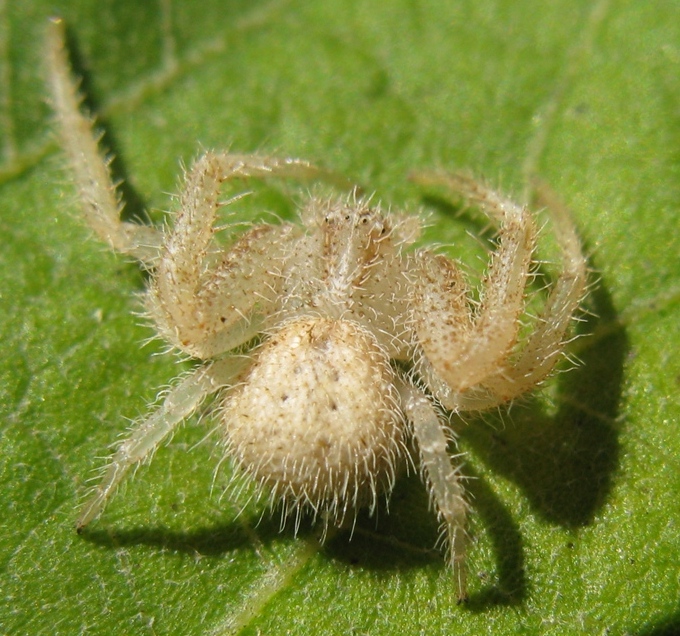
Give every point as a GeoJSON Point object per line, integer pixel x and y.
{"type": "Point", "coordinates": [463, 349]}
{"type": "Point", "coordinates": [207, 300]}
{"type": "Point", "coordinates": [542, 348]}
{"type": "Point", "coordinates": [181, 402]}
{"type": "Point", "coordinates": [443, 479]}
{"type": "Point", "coordinates": [445, 325]}
{"type": "Point", "coordinates": [100, 200]}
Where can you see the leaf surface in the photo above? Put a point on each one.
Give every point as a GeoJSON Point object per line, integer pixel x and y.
{"type": "Point", "coordinates": [576, 525]}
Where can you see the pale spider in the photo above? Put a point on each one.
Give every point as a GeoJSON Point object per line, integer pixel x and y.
{"type": "Point", "coordinates": [331, 346]}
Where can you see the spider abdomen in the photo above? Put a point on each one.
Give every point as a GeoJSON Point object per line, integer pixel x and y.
{"type": "Point", "coordinates": [316, 420]}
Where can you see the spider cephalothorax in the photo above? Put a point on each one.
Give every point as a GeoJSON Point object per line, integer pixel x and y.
{"type": "Point", "coordinates": [330, 343]}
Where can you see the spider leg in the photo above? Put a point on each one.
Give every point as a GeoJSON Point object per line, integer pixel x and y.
{"type": "Point", "coordinates": [443, 480]}
{"type": "Point", "coordinates": [148, 434]}
{"type": "Point", "coordinates": [207, 301]}
{"type": "Point", "coordinates": [464, 353]}
{"type": "Point", "coordinates": [542, 348]}
{"type": "Point", "coordinates": [101, 201]}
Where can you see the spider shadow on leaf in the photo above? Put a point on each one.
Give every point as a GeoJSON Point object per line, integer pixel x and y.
{"type": "Point", "coordinates": [213, 541]}
{"type": "Point", "coordinates": [361, 546]}
{"type": "Point", "coordinates": [406, 537]}
{"type": "Point", "coordinates": [397, 539]}
{"type": "Point", "coordinates": [665, 627]}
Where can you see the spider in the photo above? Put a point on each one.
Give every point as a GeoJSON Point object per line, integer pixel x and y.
{"type": "Point", "coordinates": [332, 345]}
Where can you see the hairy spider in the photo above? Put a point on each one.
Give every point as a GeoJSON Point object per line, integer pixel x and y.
{"type": "Point", "coordinates": [331, 346]}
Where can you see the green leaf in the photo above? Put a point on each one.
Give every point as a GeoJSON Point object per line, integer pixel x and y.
{"type": "Point", "coordinates": [576, 524]}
